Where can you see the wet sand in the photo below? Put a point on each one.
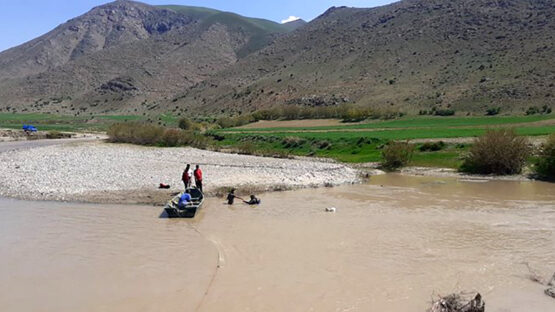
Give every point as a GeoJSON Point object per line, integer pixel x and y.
{"type": "Point", "coordinates": [387, 248]}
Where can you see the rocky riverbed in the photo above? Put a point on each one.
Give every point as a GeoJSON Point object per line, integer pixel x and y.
{"type": "Point", "coordinates": [101, 172]}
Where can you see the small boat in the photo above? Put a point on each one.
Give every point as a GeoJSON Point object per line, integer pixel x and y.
{"type": "Point", "coordinates": [190, 209]}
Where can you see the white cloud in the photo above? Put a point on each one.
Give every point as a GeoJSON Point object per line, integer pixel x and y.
{"type": "Point", "coordinates": [290, 19]}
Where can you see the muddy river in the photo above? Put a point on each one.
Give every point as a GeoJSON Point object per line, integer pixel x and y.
{"type": "Point", "coordinates": [393, 244]}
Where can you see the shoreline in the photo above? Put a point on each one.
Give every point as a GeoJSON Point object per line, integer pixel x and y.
{"type": "Point", "coordinates": [96, 172]}
{"type": "Point", "coordinates": [249, 174]}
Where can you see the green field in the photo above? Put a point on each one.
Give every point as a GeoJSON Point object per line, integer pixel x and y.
{"type": "Point", "coordinates": [363, 142]}
{"type": "Point", "coordinates": [418, 122]}
{"type": "Point", "coordinates": [353, 143]}
{"type": "Point", "coordinates": [75, 124]}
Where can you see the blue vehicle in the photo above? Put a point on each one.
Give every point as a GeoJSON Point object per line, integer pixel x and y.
{"type": "Point", "coordinates": [29, 128]}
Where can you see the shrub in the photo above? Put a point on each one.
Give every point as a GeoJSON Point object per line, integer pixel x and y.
{"type": "Point", "coordinates": [292, 142]}
{"type": "Point", "coordinates": [135, 132]}
{"type": "Point", "coordinates": [146, 134]}
{"type": "Point", "coordinates": [396, 155]}
{"type": "Point", "coordinates": [444, 112]}
{"type": "Point", "coordinates": [57, 135]}
{"type": "Point", "coordinates": [532, 110]}
{"type": "Point", "coordinates": [497, 152]}
{"type": "Point", "coordinates": [291, 112]}
{"type": "Point", "coordinates": [186, 124]}
{"type": "Point", "coordinates": [545, 165]}
{"type": "Point", "coordinates": [171, 137]}
{"type": "Point", "coordinates": [246, 148]}
{"type": "Point", "coordinates": [492, 111]}
{"type": "Point", "coordinates": [432, 146]}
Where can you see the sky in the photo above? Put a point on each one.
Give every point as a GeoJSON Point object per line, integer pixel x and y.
{"type": "Point", "coordinates": [23, 20]}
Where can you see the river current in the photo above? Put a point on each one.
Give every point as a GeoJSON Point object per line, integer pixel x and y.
{"type": "Point", "coordinates": [393, 244]}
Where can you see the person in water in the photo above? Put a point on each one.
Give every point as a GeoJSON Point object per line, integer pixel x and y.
{"type": "Point", "coordinates": [252, 201]}
{"type": "Point", "coordinates": [186, 177]}
{"type": "Point", "coordinates": [198, 177]}
{"type": "Point", "coordinates": [184, 200]}
{"type": "Point", "coordinates": [231, 197]}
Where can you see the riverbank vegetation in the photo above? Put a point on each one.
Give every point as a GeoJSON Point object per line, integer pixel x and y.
{"type": "Point", "coordinates": [545, 163]}
{"type": "Point", "coordinates": [396, 155]}
{"type": "Point", "coordinates": [360, 142]}
{"type": "Point", "coordinates": [499, 152]}
{"type": "Point", "coordinates": [148, 134]}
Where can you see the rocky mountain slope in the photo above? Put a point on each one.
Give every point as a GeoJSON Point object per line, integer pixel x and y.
{"type": "Point", "coordinates": [126, 56]}
{"type": "Point", "coordinates": [413, 55]}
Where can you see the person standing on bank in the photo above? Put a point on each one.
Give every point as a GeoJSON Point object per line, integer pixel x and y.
{"type": "Point", "coordinates": [186, 177]}
{"type": "Point", "coordinates": [198, 177]}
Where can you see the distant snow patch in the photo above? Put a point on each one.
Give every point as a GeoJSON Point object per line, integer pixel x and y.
{"type": "Point", "coordinates": [290, 19]}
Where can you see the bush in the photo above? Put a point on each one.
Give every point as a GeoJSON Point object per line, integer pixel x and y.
{"type": "Point", "coordinates": [147, 134]}
{"type": "Point", "coordinates": [186, 124]}
{"type": "Point", "coordinates": [57, 135]}
{"type": "Point", "coordinates": [545, 165]}
{"type": "Point", "coordinates": [293, 142]}
{"type": "Point", "coordinates": [246, 148]}
{"type": "Point", "coordinates": [497, 152]}
{"type": "Point", "coordinates": [231, 122]}
{"type": "Point", "coordinates": [432, 146]}
{"type": "Point", "coordinates": [135, 132]}
{"type": "Point", "coordinates": [492, 111]}
{"type": "Point", "coordinates": [171, 138]}
{"type": "Point", "coordinates": [396, 155]}
{"type": "Point", "coordinates": [444, 112]}
{"type": "Point", "coordinates": [532, 110]}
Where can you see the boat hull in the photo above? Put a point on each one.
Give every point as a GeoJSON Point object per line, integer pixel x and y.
{"type": "Point", "coordinates": [190, 210]}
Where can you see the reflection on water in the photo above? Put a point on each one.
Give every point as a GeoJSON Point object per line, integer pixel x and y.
{"type": "Point", "coordinates": [390, 246]}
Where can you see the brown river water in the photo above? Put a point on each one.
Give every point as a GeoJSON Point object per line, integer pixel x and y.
{"type": "Point", "coordinates": [393, 244]}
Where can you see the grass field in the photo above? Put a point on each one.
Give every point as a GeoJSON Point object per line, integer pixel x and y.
{"type": "Point", "coordinates": [353, 143]}
{"type": "Point", "coordinates": [417, 122]}
{"type": "Point", "coordinates": [71, 123]}
{"type": "Point", "coordinates": [356, 143]}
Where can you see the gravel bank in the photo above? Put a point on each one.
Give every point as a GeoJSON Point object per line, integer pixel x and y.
{"type": "Point", "coordinates": [100, 172]}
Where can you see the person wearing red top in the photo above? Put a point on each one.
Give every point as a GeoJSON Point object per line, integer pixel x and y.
{"type": "Point", "coordinates": [198, 177]}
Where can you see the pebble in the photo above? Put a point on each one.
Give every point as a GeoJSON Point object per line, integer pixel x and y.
{"type": "Point", "coordinates": [71, 172]}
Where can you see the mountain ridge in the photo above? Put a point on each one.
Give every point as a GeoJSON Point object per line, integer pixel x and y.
{"type": "Point", "coordinates": [411, 55]}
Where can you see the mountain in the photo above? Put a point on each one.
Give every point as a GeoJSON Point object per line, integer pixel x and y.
{"type": "Point", "coordinates": [293, 25]}
{"type": "Point", "coordinates": [126, 56]}
{"type": "Point", "coordinates": [412, 55]}
{"type": "Point", "coordinates": [103, 27]}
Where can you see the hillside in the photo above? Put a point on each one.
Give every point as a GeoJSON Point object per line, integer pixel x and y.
{"type": "Point", "coordinates": [126, 56]}
{"type": "Point", "coordinates": [413, 55]}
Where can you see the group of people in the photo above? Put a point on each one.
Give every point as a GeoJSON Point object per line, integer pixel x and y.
{"type": "Point", "coordinates": [231, 198]}
{"type": "Point", "coordinates": [188, 175]}
{"type": "Point", "coordinates": [187, 179]}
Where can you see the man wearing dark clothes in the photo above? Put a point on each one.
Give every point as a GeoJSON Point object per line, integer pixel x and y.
{"type": "Point", "coordinates": [231, 197]}
{"type": "Point", "coordinates": [198, 177]}
{"type": "Point", "coordinates": [186, 177]}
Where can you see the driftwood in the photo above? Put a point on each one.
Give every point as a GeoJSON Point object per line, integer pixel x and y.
{"type": "Point", "coordinates": [459, 303]}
